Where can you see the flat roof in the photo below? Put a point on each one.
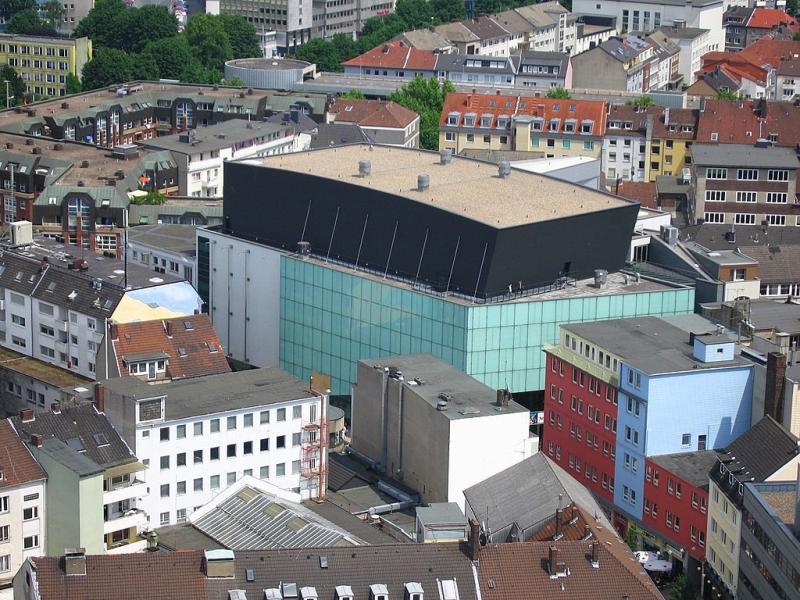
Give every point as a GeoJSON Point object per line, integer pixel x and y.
{"type": "Point", "coordinates": [649, 344]}
{"type": "Point", "coordinates": [215, 137]}
{"type": "Point", "coordinates": [269, 64]}
{"type": "Point", "coordinates": [432, 379]}
{"type": "Point", "coordinates": [779, 315]}
{"type": "Point", "coordinates": [39, 370]}
{"type": "Point", "coordinates": [215, 393]}
{"type": "Point", "coordinates": [461, 187]}
{"type": "Point", "coordinates": [782, 502]}
{"type": "Point", "coordinates": [744, 155]}
{"type": "Point", "coordinates": [692, 467]}
{"type": "Point", "coordinates": [181, 239]}
{"type": "Point", "coordinates": [441, 513]}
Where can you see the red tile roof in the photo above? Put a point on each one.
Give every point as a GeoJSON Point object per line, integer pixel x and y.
{"type": "Point", "coordinates": [735, 65]}
{"type": "Point", "coordinates": [643, 192]}
{"type": "Point", "coordinates": [164, 575]}
{"type": "Point", "coordinates": [676, 124]}
{"type": "Point", "coordinates": [192, 346]}
{"type": "Point", "coordinates": [499, 105]}
{"type": "Point", "coordinates": [16, 462]}
{"type": "Point", "coordinates": [744, 121]}
{"type": "Point", "coordinates": [395, 55]}
{"type": "Point", "coordinates": [372, 113]}
{"type": "Point", "coordinates": [769, 18]}
{"type": "Point", "coordinates": [768, 51]}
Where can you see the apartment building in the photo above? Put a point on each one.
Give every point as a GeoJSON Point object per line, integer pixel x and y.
{"type": "Point", "coordinates": [623, 375]}
{"type": "Point", "coordinates": [745, 25]}
{"type": "Point", "coordinates": [292, 21]}
{"type": "Point", "coordinates": [674, 132]}
{"type": "Point", "coordinates": [199, 435]}
{"type": "Point", "coordinates": [340, 16]}
{"type": "Point", "coordinates": [787, 79]}
{"type": "Point", "coordinates": [543, 71]}
{"type": "Point", "coordinates": [555, 128]}
{"type": "Point", "coordinates": [632, 15]}
{"type": "Point", "coordinates": [95, 492]}
{"type": "Point", "coordinates": [201, 152]}
{"type": "Point", "coordinates": [693, 43]}
{"type": "Point", "coordinates": [22, 177]}
{"type": "Point", "coordinates": [739, 184]}
{"type": "Point", "coordinates": [628, 63]}
{"type": "Point", "coordinates": [22, 504]}
{"type": "Point", "coordinates": [747, 121]}
{"type": "Point", "coordinates": [380, 121]}
{"type": "Point", "coordinates": [769, 454]}
{"type": "Point", "coordinates": [626, 144]}
{"type": "Point", "coordinates": [43, 63]}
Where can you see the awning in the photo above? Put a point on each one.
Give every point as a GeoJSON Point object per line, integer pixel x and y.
{"type": "Point", "coordinates": [126, 469]}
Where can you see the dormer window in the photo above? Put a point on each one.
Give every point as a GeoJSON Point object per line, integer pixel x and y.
{"type": "Point", "coordinates": [452, 118]}
{"type": "Point", "coordinates": [413, 591]}
{"type": "Point", "coordinates": [553, 126]}
{"type": "Point", "coordinates": [378, 591]}
{"type": "Point", "coordinates": [538, 124]}
{"type": "Point", "coordinates": [569, 125]}
{"type": "Point", "coordinates": [486, 120]}
{"type": "Point", "coordinates": [586, 126]}
{"type": "Point", "coordinates": [469, 120]}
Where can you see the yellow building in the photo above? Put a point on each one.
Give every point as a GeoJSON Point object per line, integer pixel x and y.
{"type": "Point", "coordinates": [673, 134]}
{"type": "Point", "coordinates": [43, 63]}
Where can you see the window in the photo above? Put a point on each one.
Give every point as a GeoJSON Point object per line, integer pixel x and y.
{"type": "Point", "coordinates": [264, 417]}
{"type": "Point", "coordinates": [165, 490]}
{"type": "Point", "coordinates": [747, 174]}
{"type": "Point", "coordinates": [716, 173]}
{"type": "Point", "coordinates": [281, 414]}
{"type": "Point", "coordinates": [263, 472]}
{"type": "Point", "coordinates": [264, 445]}
{"type": "Point", "coordinates": [744, 219]}
{"type": "Point", "coordinates": [746, 196]}
{"type": "Point", "coordinates": [214, 482]}
{"type": "Point", "coordinates": [714, 217]}
{"type": "Point", "coordinates": [715, 196]}
{"type": "Point", "coordinates": [17, 320]}
{"type": "Point", "coordinates": [280, 469]}
{"type": "Point", "coordinates": [180, 432]}
{"type": "Point", "coordinates": [198, 428]}
{"type": "Point", "coordinates": [776, 198]}
{"type": "Point", "coordinates": [280, 441]}
{"type": "Point", "coordinates": [214, 453]}
{"type": "Point", "coordinates": [247, 448]}
{"type": "Point", "coordinates": [231, 424]}
{"type": "Point", "coordinates": [777, 175]}
{"type": "Point", "coordinates": [198, 457]}
{"type": "Point", "coordinates": [686, 439]}
{"type": "Point", "coordinates": [248, 420]}
{"type": "Point", "coordinates": [214, 425]}
{"type": "Point", "coordinates": [30, 513]}
{"type": "Point", "coordinates": [231, 478]}
{"type": "Point", "coordinates": [164, 462]}
{"type": "Point", "coordinates": [198, 484]}
{"type": "Point", "coordinates": [180, 488]}
{"type": "Point", "coordinates": [163, 434]}
{"type": "Point", "coordinates": [230, 451]}
{"type": "Point", "coordinates": [180, 460]}
{"type": "Point", "coordinates": [31, 541]}
{"type": "Point", "coordinates": [776, 219]}
{"type": "Point", "coordinates": [737, 275]}
{"type": "Point", "coordinates": [164, 518]}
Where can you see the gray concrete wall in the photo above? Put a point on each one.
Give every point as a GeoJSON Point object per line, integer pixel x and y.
{"type": "Point", "coordinates": [595, 69]}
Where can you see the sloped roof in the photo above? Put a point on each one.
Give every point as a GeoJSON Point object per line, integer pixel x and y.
{"type": "Point", "coordinates": [16, 462]}
{"type": "Point", "coordinates": [395, 55]}
{"type": "Point", "coordinates": [485, 28]}
{"type": "Point", "coordinates": [512, 21]}
{"type": "Point", "coordinates": [643, 192]}
{"type": "Point", "coordinates": [456, 32]}
{"type": "Point", "coordinates": [337, 134]}
{"type": "Point", "coordinates": [760, 451]}
{"type": "Point", "coordinates": [767, 18]}
{"type": "Point", "coordinates": [79, 427]}
{"type": "Point", "coordinates": [424, 39]}
{"type": "Point", "coordinates": [769, 51]}
{"type": "Point", "coordinates": [525, 496]}
{"type": "Point", "coordinates": [731, 120]}
{"type": "Point", "coordinates": [372, 113]}
{"type": "Point", "coordinates": [164, 575]}
{"type": "Point", "coordinates": [776, 264]}
{"type": "Point", "coordinates": [544, 14]}
{"type": "Point", "coordinates": [189, 343]}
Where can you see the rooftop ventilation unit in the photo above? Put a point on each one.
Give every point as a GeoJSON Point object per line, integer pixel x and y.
{"type": "Point", "coordinates": [423, 182]}
{"type": "Point", "coordinates": [504, 169]}
{"type": "Point", "coordinates": [364, 168]}
{"type": "Point", "coordinates": [446, 156]}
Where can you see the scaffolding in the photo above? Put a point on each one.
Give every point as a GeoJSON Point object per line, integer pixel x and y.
{"type": "Point", "coordinates": [314, 461]}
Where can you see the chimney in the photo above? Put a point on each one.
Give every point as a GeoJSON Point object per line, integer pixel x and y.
{"type": "Point", "coordinates": [552, 561]}
{"type": "Point", "coordinates": [587, 531]}
{"type": "Point", "coordinates": [36, 440]}
{"type": "Point", "coordinates": [44, 264]}
{"type": "Point", "coordinates": [666, 116]}
{"type": "Point", "coordinates": [775, 387]}
{"type": "Point", "coordinates": [56, 408]}
{"type": "Point", "coordinates": [75, 561]}
{"type": "Point", "coordinates": [594, 558]}
{"type": "Point", "coordinates": [100, 397]}
{"type": "Point", "coordinates": [219, 564]}
{"type": "Point", "coordinates": [113, 331]}
{"type": "Point", "coordinates": [26, 415]}
{"type": "Point", "coordinates": [474, 539]}
{"type": "Point", "coordinates": [558, 535]}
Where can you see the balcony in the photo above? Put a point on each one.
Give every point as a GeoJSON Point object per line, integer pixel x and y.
{"type": "Point", "coordinates": [134, 518]}
{"type": "Point", "coordinates": [126, 491]}
{"type": "Point", "coordinates": [126, 547]}
{"type": "Point", "coordinates": [584, 364]}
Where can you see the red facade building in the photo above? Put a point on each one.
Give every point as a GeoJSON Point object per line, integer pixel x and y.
{"type": "Point", "coordinates": [579, 432]}
{"type": "Point", "coordinates": [676, 498]}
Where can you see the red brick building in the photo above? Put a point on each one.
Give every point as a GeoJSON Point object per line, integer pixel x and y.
{"type": "Point", "coordinates": [580, 409]}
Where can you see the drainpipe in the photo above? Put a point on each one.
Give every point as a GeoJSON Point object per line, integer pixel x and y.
{"type": "Point", "coordinates": [399, 471]}
{"type": "Point", "coordinates": [384, 418]}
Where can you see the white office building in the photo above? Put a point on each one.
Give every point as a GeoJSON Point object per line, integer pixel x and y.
{"type": "Point", "coordinates": [199, 436]}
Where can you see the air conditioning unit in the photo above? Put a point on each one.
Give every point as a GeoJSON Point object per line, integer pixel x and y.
{"type": "Point", "coordinates": [21, 233]}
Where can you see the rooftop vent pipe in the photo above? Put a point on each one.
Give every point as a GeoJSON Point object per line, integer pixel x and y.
{"type": "Point", "coordinates": [423, 182]}
{"type": "Point", "coordinates": [446, 156]}
{"type": "Point", "coordinates": [364, 168]}
{"type": "Point", "coordinates": [504, 169]}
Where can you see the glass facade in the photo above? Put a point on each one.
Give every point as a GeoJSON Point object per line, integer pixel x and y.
{"type": "Point", "coordinates": [330, 319]}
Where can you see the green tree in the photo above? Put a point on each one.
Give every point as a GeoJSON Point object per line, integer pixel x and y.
{"type": "Point", "coordinates": [26, 22]}
{"type": "Point", "coordinates": [321, 53]}
{"type": "Point", "coordinates": [108, 66]}
{"type": "Point", "coordinates": [353, 94]}
{"type": "Point", "coordinates": [152, 197]}
{"type": "Point", "coordinates": [242, 36]}
{"type": "Point", "coordinates": [445, 11]}
{"type": "Point", "coordinates": [16, 87]}
{"type": "Point", "coordinates": [144, 67]}
{"type": "Point", "coordinates": [209, 40]}
{"type": "Point", "coordinates": [791, 7]}
{"type": "Point", "coordinates": [682, 589]}
{"type": "Point", "coordinates": [415, 13]}
{"type": "Point", "coordinates": [558, 92]}
{"type": "Point", "coordinates": [101, 23]}
{"type": "Point", "coordinates": [426, 98]}
{"type": "Point", "coordinates": [73, 84]}
{"type": "Point", "coordinates": [728, 95]}
{"type": "Point", "coordinates": [53, 12]}
{"type": "Point", "coordinates": [138, 26]}
{"type": "Point", "coordinates": [173, 55]}
{"type": "Point", "coordinates": [643, 102]}
{"type": "Point", "coordinates": [8, 8]}
{"type": "Point", "coordinates": [232, 82]}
